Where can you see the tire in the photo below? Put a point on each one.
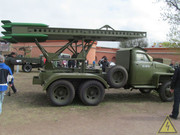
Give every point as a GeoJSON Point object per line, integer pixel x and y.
{"type": "Point", "coordinates": [145, 91]}
{"type": "Point", "coordinates": [117, 77]}
{"type": "Point", "coordinates": [27, 68]}
{"type": "Point", "coordinates": [164, 92]}
{"type": "Point", "coordinates": [91, 92]}
{"type": "Point", "coordinates": [61, 93]}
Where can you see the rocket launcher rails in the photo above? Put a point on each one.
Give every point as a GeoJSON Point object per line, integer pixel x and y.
{"type": "Point", "coordinates": [29, 32]}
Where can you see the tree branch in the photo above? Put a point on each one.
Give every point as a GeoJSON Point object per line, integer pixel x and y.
{"type": "Point", "coordinates": [174, 4]}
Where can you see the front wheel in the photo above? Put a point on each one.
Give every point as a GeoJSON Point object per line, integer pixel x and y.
{"type": "Point", "coordinates": [165, 93]}
{"type": "Point", "coordinates": [91, 92]}
{"type": "Point", "coordinates": [61, 93]}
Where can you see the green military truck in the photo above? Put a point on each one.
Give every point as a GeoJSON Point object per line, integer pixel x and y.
{"type": "Point", "coordinates": [27, 63]}
{"type": "Point", "coordinates": [133, 69]}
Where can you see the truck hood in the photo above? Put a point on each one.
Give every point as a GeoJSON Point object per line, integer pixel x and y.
{"type": "Point", "coordinates": [163, 67]}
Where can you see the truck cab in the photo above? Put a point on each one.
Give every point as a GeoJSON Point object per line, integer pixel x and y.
{"type": "Point", "coordinates": [143, 73]}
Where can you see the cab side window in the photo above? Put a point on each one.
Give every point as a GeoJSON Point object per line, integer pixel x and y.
{"type": "Point", "coordinates": [141, 57]}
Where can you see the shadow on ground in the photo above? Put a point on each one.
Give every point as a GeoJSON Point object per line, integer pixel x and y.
{"type": "Point", "coordinates": [131, 97]}
{"type": "Point", "coordinates": [39, 99]}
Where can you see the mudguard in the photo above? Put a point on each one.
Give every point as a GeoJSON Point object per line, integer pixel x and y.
{"type": "Point", "coordinates": [157, 75]}
{"type": "Point", "coordinates": [58, 76]}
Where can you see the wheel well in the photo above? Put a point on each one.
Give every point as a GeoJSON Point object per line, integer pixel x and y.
{"type": "Point", "coordinates": [27, 63]}
{"type": "Point", "coordinates": [163, 79]}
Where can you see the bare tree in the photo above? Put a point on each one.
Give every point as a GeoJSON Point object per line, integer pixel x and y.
{"type": "Point", "coordinates": [171, 13]}
{"type": "Point", "coordinates": [26, 50]}
{"type": "Point", "coordinates": [133, 43]}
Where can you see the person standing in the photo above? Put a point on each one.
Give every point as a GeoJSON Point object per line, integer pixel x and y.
{"type": "Point", "coordinates": [172, 64]}
{"type": "Point", "coordinates": [69, 63]}
{"type": "Point", "coordinates": [175, 87]}
{"type": "Point", "coordinates": [4, 72]}
{"type": "Point", "coordinates": [8, 61]}
{"type": "Point", "coordinates": [94, 64]}
{"type": "Point", "coordinates": [105, 64]}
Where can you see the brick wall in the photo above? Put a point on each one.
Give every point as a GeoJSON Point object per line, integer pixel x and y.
{"type": "Point", "coordinates": [110, 53]}
{"type": "Point", "coordinates": [52, 47]}
{"type": "Point", "coordinates": [169, 53]}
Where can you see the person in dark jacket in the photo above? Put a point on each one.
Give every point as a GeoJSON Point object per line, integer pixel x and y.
{"type": "Point", "coordinates": [175, 87]}
{"type": "Point", "coordinates": [105, 64]}
{"type": "Point", "coordinates": [8, 61]}
{"type": "Point", "coordinates": [4, 72]}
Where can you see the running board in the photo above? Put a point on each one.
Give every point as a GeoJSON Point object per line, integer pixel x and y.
{"type": "Point", "coordinates": [144, 86]}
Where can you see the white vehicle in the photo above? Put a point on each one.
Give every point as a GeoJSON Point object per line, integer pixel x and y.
{"type": "Point", "coordinates": [112, 64]}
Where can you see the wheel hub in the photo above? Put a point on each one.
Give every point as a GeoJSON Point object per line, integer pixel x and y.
{"type": "Point", "coordinates": [168, 92]}
{"type": "Point", "coordinates": [92, 93]}
{"type": "Point", "coordinates": [117, 77]}
{"type": "Point", "coordinates": [61, 93]}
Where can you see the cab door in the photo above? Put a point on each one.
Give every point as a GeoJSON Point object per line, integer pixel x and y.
{"type": "Point", "coordinates": [142, 72]}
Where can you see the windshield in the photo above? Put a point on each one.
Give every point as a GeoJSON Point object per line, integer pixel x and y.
{"type": "Point", "coordinates": [142, 57]}
{"type": "Point", "coordinates": [150, 57]}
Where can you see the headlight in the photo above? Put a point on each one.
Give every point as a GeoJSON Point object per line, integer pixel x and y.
{"type": "Point", "coordinates": [172, 70]}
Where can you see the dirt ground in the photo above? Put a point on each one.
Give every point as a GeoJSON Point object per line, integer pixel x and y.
{"type": "Point", "coordinates": [122, 112]}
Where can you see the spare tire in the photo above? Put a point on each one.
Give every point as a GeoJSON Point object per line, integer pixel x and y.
{"type": "Point", "coordinates": [117, 77]}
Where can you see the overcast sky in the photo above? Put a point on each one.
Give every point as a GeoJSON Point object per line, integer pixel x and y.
{"type": "Point", "coordinates": [135, 15]}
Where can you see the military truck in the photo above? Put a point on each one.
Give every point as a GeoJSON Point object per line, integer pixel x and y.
{"type": "Point", "coordinates": [27, 63]}
{"type": "Point", "coordinates": [133, 66]}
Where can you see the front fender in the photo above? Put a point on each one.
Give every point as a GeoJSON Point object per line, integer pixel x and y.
{"type": "Point", "coordinates": [158, 75]}
{"type": "Point", "coordinates": [58, 76]}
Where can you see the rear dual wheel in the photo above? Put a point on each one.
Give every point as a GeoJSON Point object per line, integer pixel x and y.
{"type": "Point", "coordinates": [61, 93]}
{"type": "Point", "coordinates": [91, 92]}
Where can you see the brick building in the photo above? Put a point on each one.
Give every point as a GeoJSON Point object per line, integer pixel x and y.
{"type": "Point", "coordinates": [96, 53]}
{"type": "Point", "coordinates": [168, 53]}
